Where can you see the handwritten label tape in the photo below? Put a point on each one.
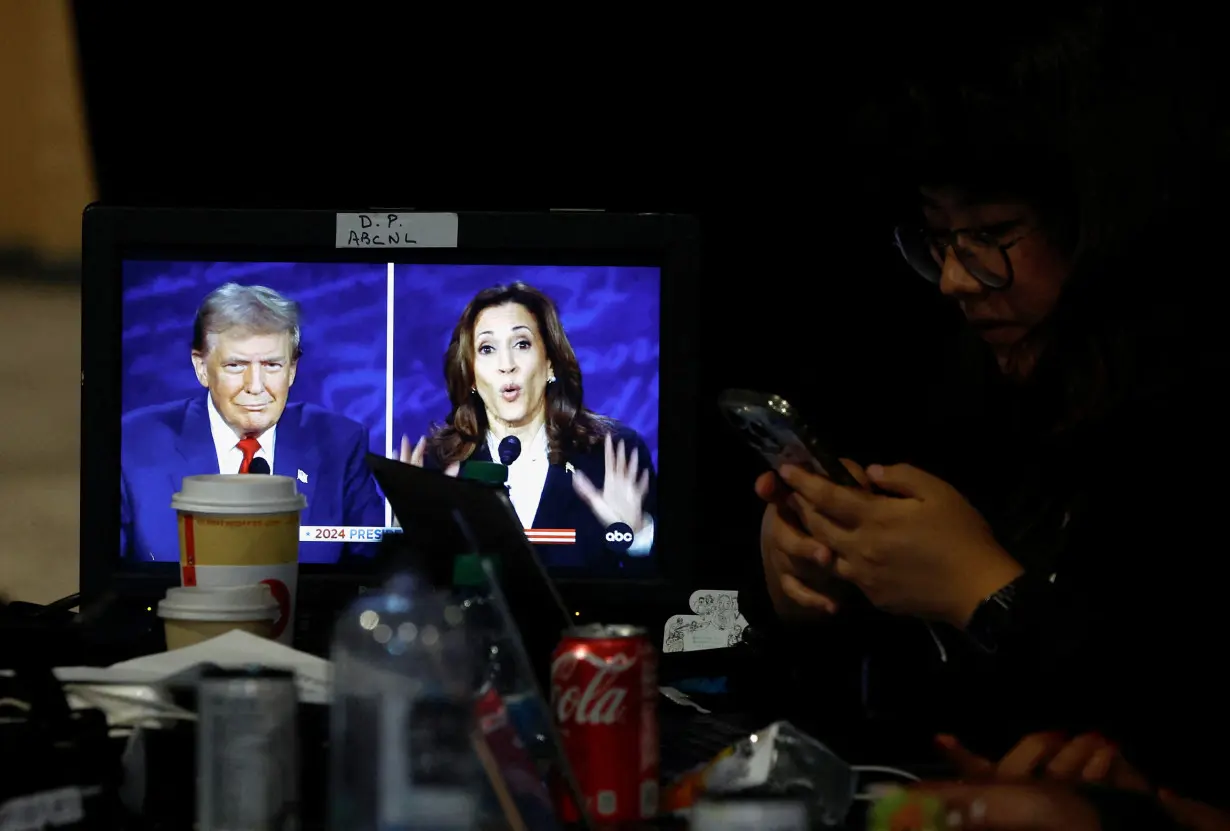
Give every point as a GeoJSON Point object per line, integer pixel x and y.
{"type": "Point", "coordinates": [392, 230]}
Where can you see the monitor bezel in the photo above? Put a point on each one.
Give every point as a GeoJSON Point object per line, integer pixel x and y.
{"type": "Point", "coordinates": [112, 233]}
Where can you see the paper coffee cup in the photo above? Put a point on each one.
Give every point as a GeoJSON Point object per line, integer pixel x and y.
{"type": "Point", "coordinates": [239, 530]}
{"type": "Point", "coordinates": [192, 615]}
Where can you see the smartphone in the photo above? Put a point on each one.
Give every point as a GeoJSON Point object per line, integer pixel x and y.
{"type": "Point", "coordinates": [775, 430]}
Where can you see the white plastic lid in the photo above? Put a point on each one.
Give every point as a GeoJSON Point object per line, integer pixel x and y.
{"type": "Point", "coordinates": [224, 603]}
{"type": "Point", "coordinates": [238, 493]}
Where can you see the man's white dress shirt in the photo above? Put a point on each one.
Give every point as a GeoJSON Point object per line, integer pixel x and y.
{"type": "Point", "coordinates": [226, 443]}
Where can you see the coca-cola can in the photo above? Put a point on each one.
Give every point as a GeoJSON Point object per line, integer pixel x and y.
{"type": "Point", "coordinates": [604, 691]}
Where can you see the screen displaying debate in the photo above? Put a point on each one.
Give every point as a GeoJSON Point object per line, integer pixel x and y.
{"type": "Point", "coordinates": [299, 369]}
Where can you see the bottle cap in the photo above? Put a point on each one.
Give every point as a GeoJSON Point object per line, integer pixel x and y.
{"type": "Point", "coordinates": [468, 570]}
{"type": "Point", "coordinates": [490, 473]}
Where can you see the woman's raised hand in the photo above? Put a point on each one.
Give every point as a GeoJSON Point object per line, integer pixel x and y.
{"type": "Point", "coordinates": [624, 487]}
{"type": "Point", "coordinates": [414, 455]}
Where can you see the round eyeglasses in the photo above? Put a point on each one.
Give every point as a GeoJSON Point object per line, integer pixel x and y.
{"type": "Point", "coordinates": [981, 251]}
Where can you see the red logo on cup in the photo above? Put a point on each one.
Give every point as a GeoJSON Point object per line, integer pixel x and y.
{"type": "Point", "coordinates": [281, 594]}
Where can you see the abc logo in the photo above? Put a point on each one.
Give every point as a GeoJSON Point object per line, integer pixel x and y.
{"type": "Point", "coordinates": [618, 537]}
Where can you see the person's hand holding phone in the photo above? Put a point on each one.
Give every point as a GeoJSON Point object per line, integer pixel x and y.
{"type": "Point", "coordinates": [798, 569]}
{"type": "Point", "coordinates": [917, 548]}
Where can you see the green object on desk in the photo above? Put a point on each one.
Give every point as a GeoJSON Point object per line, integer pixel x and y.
{"type": "Point", "coordinates": [468, 570]}
{"type": "Point", "coordinates": [489, 473]}
{"type": "Point", "coordinates": [902, 810]}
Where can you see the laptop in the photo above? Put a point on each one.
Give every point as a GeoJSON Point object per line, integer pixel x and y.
{"type": "Point", "coordinates": [446, 516]}
{"type": "Point", "coordinates": [442, 517]}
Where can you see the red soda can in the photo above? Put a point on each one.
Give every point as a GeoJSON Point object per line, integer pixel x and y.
{"type": "Point", "coordinates": [604, 691]}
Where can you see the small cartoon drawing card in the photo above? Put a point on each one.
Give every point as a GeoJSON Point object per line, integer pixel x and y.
{"type": "Point", "coordinates": [714, 624]}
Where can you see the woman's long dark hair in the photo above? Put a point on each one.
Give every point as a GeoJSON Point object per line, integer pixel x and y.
{"type": "Point", "coordinates": [570, 427]}
{"type": "Point", "coordinates": [1102, 122]}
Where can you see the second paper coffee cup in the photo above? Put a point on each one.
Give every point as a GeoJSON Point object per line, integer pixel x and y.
{"type": "Point", "coordinates": [241, 529]}
{"type": "Point", "coordinates": [192, 615]}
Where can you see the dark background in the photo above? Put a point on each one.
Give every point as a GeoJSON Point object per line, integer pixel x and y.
{"type": "Point", "coordinates": [746, 123]}
{"type": "Point", "coordinates": [803, 293]}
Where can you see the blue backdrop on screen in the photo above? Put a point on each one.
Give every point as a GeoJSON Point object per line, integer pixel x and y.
{"type": "Point", "coordinates": [343, 320]}
{"type": "Point", "coordinates": [610, 313]}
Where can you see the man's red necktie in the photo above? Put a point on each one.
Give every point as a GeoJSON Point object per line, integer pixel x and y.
{"type": "Point", "coordinates": [249, 446]}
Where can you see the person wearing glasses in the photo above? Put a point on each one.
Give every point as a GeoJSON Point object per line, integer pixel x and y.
{"type": "Point", "coordinates": [1073, 580]}
{"type": "Point", "coordinates": [971, 246]}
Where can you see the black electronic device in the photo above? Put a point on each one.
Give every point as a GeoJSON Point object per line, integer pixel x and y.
{"type": "Point", "coordinates": [776, 431]}
{"type": "Point", "coordinates": [380, 291]}
{"type": "Point", "coordinates": [259, 466]}
{"type": "Point", "coordinates": [70, 769]}
{"type": "Point", "coordinates": [444, 516]}
{"type": "Point", "coordinates": [509, 450]}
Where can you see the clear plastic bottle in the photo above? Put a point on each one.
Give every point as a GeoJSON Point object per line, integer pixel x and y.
{"type": "Point", "coordinates": [402, 726]}
{"type": "Point", "coordinates": [485, 627]}
{"type": "Point", "coordinates": [513, 720]}
{"type": "Point", "coordinates": [497, 666]}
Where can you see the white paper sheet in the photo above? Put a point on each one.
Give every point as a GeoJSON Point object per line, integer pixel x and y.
{"type": "Point", "coordinates": [232, 650]}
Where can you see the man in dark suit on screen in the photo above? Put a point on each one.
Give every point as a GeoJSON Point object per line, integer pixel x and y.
{"type": "Point", "coordinates": [245, 352]}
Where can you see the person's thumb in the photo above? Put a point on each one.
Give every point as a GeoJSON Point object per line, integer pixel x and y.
{"type": "Point", "coordinates": [902, 480]}
{"type": "Point", "coordinates": [584, 488]}
{"type": "Point", "coordinates": [1192, 814]}
{"type": "Point", "coordinates": [769, 487]}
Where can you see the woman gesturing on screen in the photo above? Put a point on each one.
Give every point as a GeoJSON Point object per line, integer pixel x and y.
{"type": "Point", "coordinates": [516, 393]}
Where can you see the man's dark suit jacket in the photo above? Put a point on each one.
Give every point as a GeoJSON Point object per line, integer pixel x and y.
{"type": "Point", "coordinates": [162, 444]}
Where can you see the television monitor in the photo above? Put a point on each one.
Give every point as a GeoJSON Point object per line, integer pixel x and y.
{"type": "Point", "coordinates": [324, 335]}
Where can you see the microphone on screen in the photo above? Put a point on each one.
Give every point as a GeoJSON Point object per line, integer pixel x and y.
{"type": "Point", "coordinates": [259, 465]}
{"type": "Point", "coordinates": [510, 449]}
